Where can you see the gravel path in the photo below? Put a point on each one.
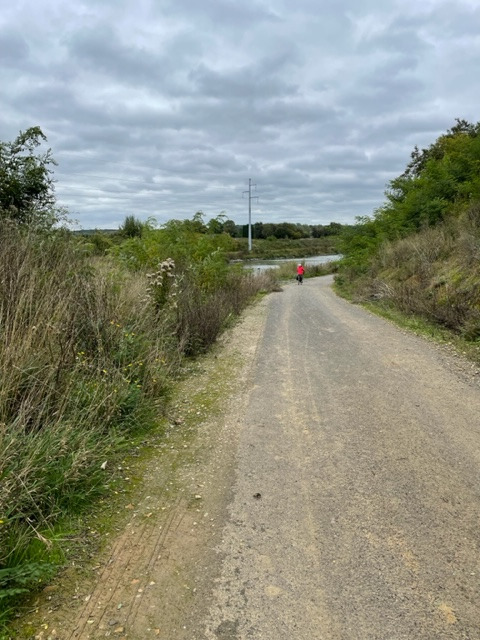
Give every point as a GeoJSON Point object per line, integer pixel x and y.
{"type": "Point", "coordinates": [362, 446]}
{"type": "Point", "coordinates": [335, 496]}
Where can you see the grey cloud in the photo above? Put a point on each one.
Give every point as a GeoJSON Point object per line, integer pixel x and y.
{"type": "Point", "coordinates": [375, 98]}
{"type": "Point", "coordinates": [14, 49]}
{"type": "Point", "coordinates": [402, 35]}
{"type": "Point", "coordinates": [244, 85]}
{"type": "Point", "coordinates": [163, 108]}
{"type": "Point", "coordinates": [102, 52]}
{"type": "Point", "coordinates": [237, 15]}
{"type": "Point", "coordinates": [454, 19]}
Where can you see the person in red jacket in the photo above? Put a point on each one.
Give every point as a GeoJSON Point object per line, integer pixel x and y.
{"type": "Point", "coordinates": [300, 273]}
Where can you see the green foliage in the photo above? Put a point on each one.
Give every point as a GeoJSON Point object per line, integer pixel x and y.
{"type": "Point", "coordinates": [231, 228]}
{"type": "Point", "coordinates": [438, 184]}
{"type": "Point", "coordinates": [18, 580]}
{"type": "Point", "coordinates": [83, 363]}
{"type": "Point", "coordinates": [276, 230]}
{"type": "Point", "coordinates": [432, 275]}
{"type": "Point", "coordinates": [273, 247]}
{"type": "Point", "coordinates": [132, 227]}
{"type": "Point", "coordinates": [332, 229]}
{"type": "Point", "coordinates": [217, 225]}
{"type": "Point", "coordinates": [204, 254]}
{"type": "Point", "coordinates": [26, 184]}
{"type": "Point", "coordinates": [436, 151]}
{"type": "Point", "coordinates": [188, 243]}
{"type": "Point", "coordinates": [98, 243]}
{"type": "Point", "coordinates": [190, 282]}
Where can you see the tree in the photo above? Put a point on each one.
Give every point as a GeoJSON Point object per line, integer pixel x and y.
{"type": "Point", "coordinates": [440, 183]}
{"type": "Point", "coordinates": [436, 151]}
{"type": "Point", "coordinates": [27, 192]}
{"type": "Point", "coordinates": [132, 227]}
{"type": "Point", "coordinates": [318, 231]}
{"type": "Point", "coordinates": [216, 225]}
{"type": "Point", "coordinates": [287, 230]}
{"type": "Point", "coordinates": [231, 228]}
{"type": "Point", "coordinates": [196, 224]}
{"type": "Point", "coordinates": [258, 232]}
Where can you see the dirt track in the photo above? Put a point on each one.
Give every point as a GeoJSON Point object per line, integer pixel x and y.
{"type": "Point", "coordinates": [334, 497]}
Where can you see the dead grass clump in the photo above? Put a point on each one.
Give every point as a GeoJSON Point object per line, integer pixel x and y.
{"type": "Point", "coordinates": [201, 316]}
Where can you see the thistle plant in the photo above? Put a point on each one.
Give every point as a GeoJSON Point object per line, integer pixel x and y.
{"type": "Point", "coordinates": [162, 284]}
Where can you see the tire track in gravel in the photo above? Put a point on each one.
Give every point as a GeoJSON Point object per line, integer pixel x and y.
{"type": "Point", "coordinates": [122, 569]}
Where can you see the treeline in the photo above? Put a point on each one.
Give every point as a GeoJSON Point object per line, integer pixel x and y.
{"type": "Point", "coordinates": [132, 226]}
{"type": "Point", "coordinates": [278, 230]}
{"type": "Point", "coordinates": [420, 251]}
{"type": "Point", "coordinates": [260, 230]}
{"type": "Point", "coordinates": [300, 241]}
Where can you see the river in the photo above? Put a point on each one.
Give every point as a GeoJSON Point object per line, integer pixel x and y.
{"type": "Point", "coordinates": [262, 265]}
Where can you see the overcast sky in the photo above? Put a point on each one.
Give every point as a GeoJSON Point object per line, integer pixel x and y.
{"type": "Point", "coordinates": [166, 107]}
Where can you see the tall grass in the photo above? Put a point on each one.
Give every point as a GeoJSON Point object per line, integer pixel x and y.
{"type": "Point", "coordinates": [76, 376]}
{"type": "Point", "coordinates": [434, 274]}
{"type": "Point", "coordinates": [88, 351]}
{"type": "Point", "coordinates": [202, 316]}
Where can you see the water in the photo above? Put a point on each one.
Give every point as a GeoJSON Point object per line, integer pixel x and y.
{"type": "Point", "coordinates": [262, 265]}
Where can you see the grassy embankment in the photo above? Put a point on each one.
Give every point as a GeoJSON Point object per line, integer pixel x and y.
{"type": "Point", "coordinates": [89, 350]}
{"type": "Point", "coordinates": [428, 282]}
{"type": "Point", "coordinates": [417, 260]}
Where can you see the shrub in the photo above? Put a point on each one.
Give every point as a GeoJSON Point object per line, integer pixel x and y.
{"type": "Point", "coordinates": [84, 362]}
{"type": "Point", "coordinates": [132, 227]}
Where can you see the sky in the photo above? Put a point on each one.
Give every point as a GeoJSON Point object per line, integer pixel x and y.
{"type": "Point", "coordinates": [162, 108]}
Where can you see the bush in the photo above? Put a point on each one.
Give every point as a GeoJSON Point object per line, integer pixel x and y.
{"type": "Point", "coordinates": [203, 314]}
{"type": "Point", "coordinates": [84, 362]}
{"type": "Point", "coordinates": [132, 227]}
{"type": "Point", "coordinates": [26, 184]}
